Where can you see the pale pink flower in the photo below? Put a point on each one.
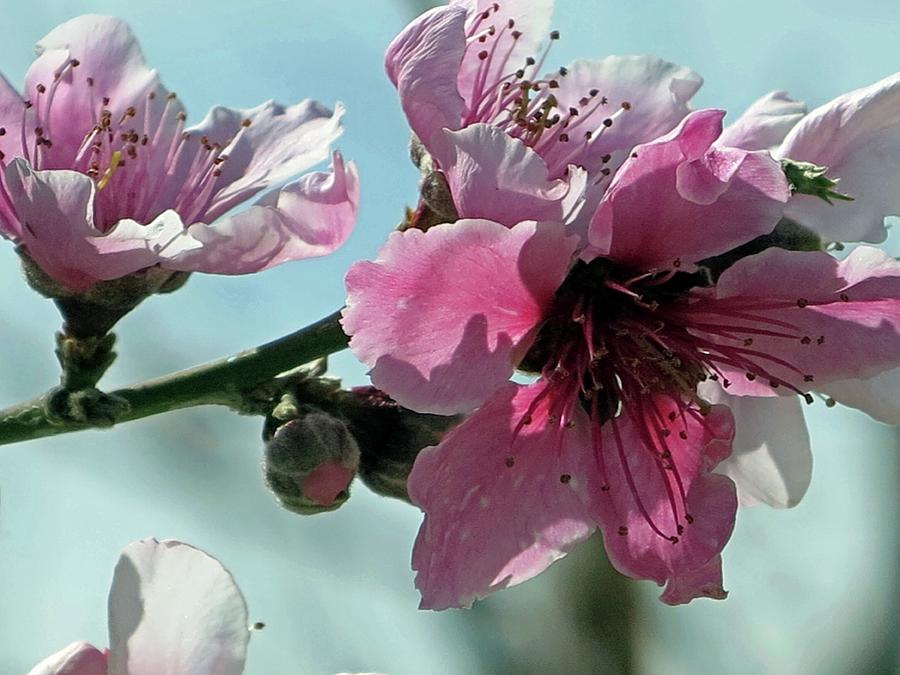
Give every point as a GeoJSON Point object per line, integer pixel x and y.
{"type": "Point", "coordinates": [613, 433]}
{"type": "Point", "coordinates": [173, 610]}
{"type": "Point", "coordinates": [857, 136]}
{"type": "Point", "coordinates": [513, 144]}
{"type": "Point", "coordinates": [100, 177]}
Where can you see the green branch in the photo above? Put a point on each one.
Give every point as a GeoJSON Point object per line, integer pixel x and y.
{"type": "Point", "coordinates": [220, 382]}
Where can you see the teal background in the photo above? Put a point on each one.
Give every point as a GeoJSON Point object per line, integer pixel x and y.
{"type": "Point", "coordinates": [813, 590]}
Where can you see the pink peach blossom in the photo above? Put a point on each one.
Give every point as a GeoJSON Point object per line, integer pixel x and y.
{"type": "Point", "coordinates": [469, 79]}
{"type": "Point", "coordinates": [614, 432]}
{"type": "Point", "coordinates": [100, 177]}
{"type": "Point", "coordinates": [173, 610]}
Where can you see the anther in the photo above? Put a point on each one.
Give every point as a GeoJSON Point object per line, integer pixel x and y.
{"type": "Point", "coordinates": [529, 61]}
{"type": "Point", "coordinates": [844, 297]}
{"type": "Point", "coordinates": [41, 89]}
{"type": "Point", "coordinates": [604, 488]}
{"type": "Point", "coordinates": [830, 402]}
{"type": "Point", "coordinates": [626, 105]}
{"type": "Point", "coordinates": [751, 376]}
{"type": "Point", "coordinates": [563, 71]}
{"type": "Point", "coordinates": [802, 302]}
{"type": "Point", "coordinates": [674, 540]}
{"type": "Point", "coordinates": [805, 340]}
{"type": "Point", "coordinates": [682, 435]}
{"type": "Point", "coordinates": [808, 378]}
{"type": "Point", "coordinates": [554, 35]}
{"type": "Point", "coordinates": [623, 530]}
{"type": "Point", "coordinates": [808, 398]}
{"type": "Point", "coordinates": [483, 55]}
{"type": "Point", "coordinates": [510, 461]}
{"type": "Point", "coordinates": [74, 63]}
{"type": "Point", "coordinates": [820, 339]}
{"type": "Point", "coordinates": [565, 478]}
{"type": "Point", "coordinates": [593, 92]}
{"type": "Point", "coordinates": [605, 159]}
{"type": "Point", "coordinates": [607, 122]}
{"type": "Point", "coordinates": [564, 138]}
{"type": "Point", "coordinates": [688, 518]}
{"type": "Point", "coordinates": [748, 342]}
{"type": "Point", "coordinates": [90, 81]}
{"type": "Point", "coordinates": [246, 123]}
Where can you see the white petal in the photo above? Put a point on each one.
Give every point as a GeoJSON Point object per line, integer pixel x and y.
{"type": "Point", "coordinates": [878, 396]}
{"type": "Point", "coordinates": [771, 459]}
{"type": "Point", "coordinates": [857, 136]}
{"type": "Point", "coordinates": [765, 123]}
{"type": "Point", "coordinates": [174, 610]}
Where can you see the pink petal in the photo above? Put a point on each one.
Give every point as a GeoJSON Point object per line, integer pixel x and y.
{"type": "Point", "coordinates": [276, 144]}
{"type": "Point", "coordinates": [657, 91]}
{"type": "Point", "coordinates": [765, 123]}
{"type": "Point", "coordinates": [625, 509]}
{"type": "Point", "coordinates": [308, 218]}
{"type": "Point", "coordinates": [705, 582]}
{"type": "Point", "coordinates": [878, 396]}
{"type": "Point", "coordinates": [173, 610]}
{"type": "Point", "coordinates": [423, 62]}
{"type": "Point", "coordinates": [857, 136]}
{"type": "Point", "coordinates": [771, 459]}
{"type": "Point", "coordinates": [838, 319]}
{"type": "Point", "coordinates": [107, 52]}
{"type": "Point", "coordinates": [79, 658]}
{"type": "Point", "coordinates": [56, 210]}
{"type": "Point", "coordinates": [497, 177]}
{"type": "Point", "coordinates": [11, 107]}
{"type": "Point", "coordinates": [706, 199]}
{"type": "Point", "coordinates": [443, 317]}
{"type": "Point", "coordinates": [497, 512]}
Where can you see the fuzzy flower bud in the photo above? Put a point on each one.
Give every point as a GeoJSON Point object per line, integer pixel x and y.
{"type": "Point", "coordinates": [310, 462]}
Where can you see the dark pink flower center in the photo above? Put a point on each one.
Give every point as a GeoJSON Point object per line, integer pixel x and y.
{"type": "Point", "coordinates": [140, 157]}
{"type": "Point", "coordinates": [516, 98]}
{"type": "Point", "coordinates": [614, 342]}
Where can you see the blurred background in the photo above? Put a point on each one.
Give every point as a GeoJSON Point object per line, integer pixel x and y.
{"type": "Point", "coordinates": [813, 590]}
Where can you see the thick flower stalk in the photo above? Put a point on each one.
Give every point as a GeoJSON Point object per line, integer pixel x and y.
{"type": "Point", "coordinates": [102, 178]}
{"type": "Point", "coordinates": [623, 336]}
{"type": "Point", "coordinates": [173, 610]}
{"type": "Point", "coordinates": [512, 141]}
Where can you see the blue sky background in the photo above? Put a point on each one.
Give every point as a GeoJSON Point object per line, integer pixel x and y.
{"type": "Point", "coordinates": [812, 590]}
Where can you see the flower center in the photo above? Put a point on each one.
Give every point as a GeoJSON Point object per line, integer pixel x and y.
{"type": "Point", "coordinates": [617, 343]}
{"type": "Point", "coordinates": [517, 99]}
{"type": "Point", "coordinates": [137, 152]}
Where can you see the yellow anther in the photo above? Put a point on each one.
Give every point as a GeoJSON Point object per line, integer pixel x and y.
{"type": "Point", "coordinates": [108, 174]}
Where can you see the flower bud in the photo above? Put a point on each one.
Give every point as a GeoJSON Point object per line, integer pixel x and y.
{"type": "Point", "coordinates": [310, 462]}
{"type": "Point", "coordinates": [390, 438]}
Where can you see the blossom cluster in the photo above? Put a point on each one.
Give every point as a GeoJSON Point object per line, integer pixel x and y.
{"type": "Point", "coordinates": [619, 303]}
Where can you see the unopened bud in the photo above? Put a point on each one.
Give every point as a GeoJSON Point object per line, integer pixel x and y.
{"type": "Point", "coordinates": [806, 178]}
{"type": "Point", "coordinates": [390, 438]}
{"type": "Point", "coordinates": [310, 462]}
